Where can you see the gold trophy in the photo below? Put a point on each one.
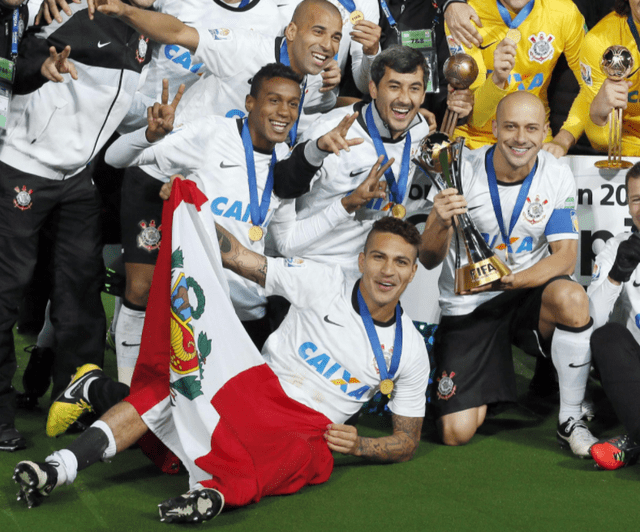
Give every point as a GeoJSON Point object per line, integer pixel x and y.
{"type": "Point", "coordinates": [616, 63]}
{"type": "Point", "coordinates": [460, 71]}
{"type": "Point", "coordinates": [440, 158]}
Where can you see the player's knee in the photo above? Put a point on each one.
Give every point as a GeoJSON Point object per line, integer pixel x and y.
{"type": "Point", "coordinates": [137, 291]}
{"type": "Point", "coordinates": [456, 432]}
{"type": "Point", "coordinates": [570, 303]}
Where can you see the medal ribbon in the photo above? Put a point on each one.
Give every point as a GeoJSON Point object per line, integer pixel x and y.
{"type": "Point", "coordinates": [244, 3]}
{"type": "Point", "coordinates": [258, 211]}
{"type": "Point", "coordinates": [284, 59]}
{"type": "Point", "coordinates": [519, 19]}
{"type": "Point", "coordinates": [495, 197]}
{"type": "Point", "coordinates": [15, 30]}
{"type": "Point", "coordinates": [349, 5]}
{"type": "Point", "coordinates": [369, 326]}
{"type": "Point", "coordinates": [398, 188]}
{"type": "Point", "coordinates": [634, 30]}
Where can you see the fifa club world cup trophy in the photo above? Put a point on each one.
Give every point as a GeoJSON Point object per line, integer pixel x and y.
{"type": "Point", "coordinates": [616, 63]}
{"type": "Point", "coordinates": [440, 158]}
{"type": "Point", "coordinates": [460, 71]}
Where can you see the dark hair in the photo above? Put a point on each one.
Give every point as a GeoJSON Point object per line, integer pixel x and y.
{"type": "Point", "coordinates": [402, 59]}
{"type": "Point", "coordinates": [396, 226]}
{"type": "Point", "coordinates": [633, 173]}
{"type": "Point", "coordinates": [622, 7]}
{"type": "Point", "coordinates": [270, 71]}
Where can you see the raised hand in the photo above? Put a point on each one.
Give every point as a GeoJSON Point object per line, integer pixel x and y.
{"type": "Point", "coordinates": [370, 188]}
{"type": "Point", "coordinates": [57, 64]}
{"type": "Point", "coordinates": [336, 139]}
{"type": "Point", "coordinates": [627, 259]}
{"type": "Point", "coordinates": [463, 23]}
{"type": "Point", "coordinates": [160, 117]}
{"type": "Point", "coordinates": [50, 10]}
{"type": "Point", "coordinates": [368, 35]}
{"type": "Point", "coordinates": [331, 76]}
{"type": "Point", "coordinates": [504, 61]}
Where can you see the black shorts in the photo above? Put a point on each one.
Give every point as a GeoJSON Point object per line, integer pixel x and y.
{"type": "Point", "coordinates": [474, 364]}
{"type": "Point", "coordinates": [140, 217]}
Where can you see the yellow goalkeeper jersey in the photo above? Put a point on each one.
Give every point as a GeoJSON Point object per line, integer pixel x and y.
{"type": "Point", "coordinates": [612, 29]}
{"type": "Point", "coordinates": [552, 27]}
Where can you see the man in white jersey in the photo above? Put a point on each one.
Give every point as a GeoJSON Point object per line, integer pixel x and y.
{"type": "Point", "coordinates": [218, 152]}
{"type": "Point", "coordinates": [393, 122]}
{"type": "Point", "coordinates": [615, 346]}
{"type": "Point", "coordinates": [329, 356]}
{"type": "Point", "coordinates": [534, 196]}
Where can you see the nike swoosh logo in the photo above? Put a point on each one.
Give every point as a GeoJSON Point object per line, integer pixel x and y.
{"type": "Point", "coordinates": [222, 165]}
{"type": "Point", "coordinates": [125, 344]}
{"type": "Point", "coordinates": [326, 318]}
{"type": "Point", "coordinates": [579, 365]}
{"type": "Point", "coordinates": [357, 172]}
{"type": "Point", "coordinates": [68, 393]}
{"type": "Point", "coordinates": [636, 285]}
{"type": "Point", "coordinates": [102, 45]}
{"type": "Point", "coordinates": [487, 45]}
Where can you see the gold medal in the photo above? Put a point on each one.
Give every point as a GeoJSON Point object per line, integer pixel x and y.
{"type": "Point", "coordinates": [513, 35]}
{"type": "Point", "coordinates": [355, 17]}
{"type": "Point", "coordinates": [399, 211]}
{"type": "Point", "coordinates": [386, 387]}
{"type": "Point", "coordinates": [255, 233]}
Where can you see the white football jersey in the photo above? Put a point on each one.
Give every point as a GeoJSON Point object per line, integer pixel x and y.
{"type": "Point", "coordinates": [548, 215]}
{"type": "Point", "coordinates": [321, 352]}
{"type": "Point", "coordinates": [210, 151]}
{"type": "Point", "coordinates": [603, 294]}
{"type": "Point", "coordinates": [176, 63]}
{"type": "Point", "coordinates": [341, 175]}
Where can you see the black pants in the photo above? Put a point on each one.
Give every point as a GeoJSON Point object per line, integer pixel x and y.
{"type": "Point", "coordinates": [70, 209]}
{"type": "Point", "coordinates": [616, 354]}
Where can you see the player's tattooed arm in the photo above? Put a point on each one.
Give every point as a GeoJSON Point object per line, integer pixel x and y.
{"type": "Point", "coordinates": [399, 447]}
{"type": "Point", "coordinates": [241, 260]}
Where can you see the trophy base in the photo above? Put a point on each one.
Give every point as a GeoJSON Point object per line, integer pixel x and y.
{"type": "Point", "coordinates": [479, 274]}
{"type": "Point", "coordinates": [613, 165]}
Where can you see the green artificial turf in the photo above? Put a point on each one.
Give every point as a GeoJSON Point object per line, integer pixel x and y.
{"type": "Point", "coordinates": [512, 477]}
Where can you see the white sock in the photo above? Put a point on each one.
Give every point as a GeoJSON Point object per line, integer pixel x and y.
{"type": "Point", "coordinates": [571, 356]}
{"type": "Point", "coordinates": [46, 336]}
{"type": "Point", "coordinates": [110, 451]}
{"type": "Point", "coordinates": [66, 465]}
{"type": "Point", "coordinates": [128, 337]}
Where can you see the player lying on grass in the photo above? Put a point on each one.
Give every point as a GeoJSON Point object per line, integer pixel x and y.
{"type": "Point", "coordinates": [340, 343]}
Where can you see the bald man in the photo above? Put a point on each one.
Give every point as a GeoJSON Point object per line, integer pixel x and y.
{"type": "Point", "coordinates": [522, 200]}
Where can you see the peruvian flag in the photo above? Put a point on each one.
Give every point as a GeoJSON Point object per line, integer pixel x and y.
{"type": "Point", "coordinates": [201, 385]}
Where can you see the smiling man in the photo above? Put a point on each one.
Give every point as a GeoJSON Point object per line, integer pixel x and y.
{"type": "Point", "coordinates": [389, 126]}
{"type": "Point", "coordinates": [523, 202]}
{"type": "Point", "coordinates": [340, 343]}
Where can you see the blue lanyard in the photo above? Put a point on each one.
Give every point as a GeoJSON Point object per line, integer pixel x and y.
{"type": "Point", "coordinates": [399, 188]}
{"type": "Point", "coordinates": [244, 3]}
{"type": "Point", "coordinates": [369, 326]}
{"type": "Point", "coordinates": [387, 13]}
{"type": "Point", "coordinates": [495, 197]}
{"type": "Point", "coordinates": [349, 5]}
{"type": "Point", "coordinates": [258, 211]}
{"type": "Point", "coordinates": [284, 59]}
{"type": "Point", "coordinates": [634, 30]}
{"type": "Point", "coordinates": [15, 30]}
{"type": "Point", "coordinates": [506, 16]}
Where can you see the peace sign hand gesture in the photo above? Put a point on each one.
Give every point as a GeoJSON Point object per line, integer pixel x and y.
{"type": "Point", "coordinates": [160, 117]}
{"type": "Point", "coordinates": [370, 188]}
{"type": "Point", "coordinates": [336, 139]}
{"type": "Point", "coordinates": [57, 64]}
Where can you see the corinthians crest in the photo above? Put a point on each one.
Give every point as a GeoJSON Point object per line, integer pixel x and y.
{"type": "Point", "coordinates": [446, 387]}
{"type": "Point", "coordinates": [541, 48]}
{"type": "Point", "coordinates": [185, 357]}
{"type": "Point", "coordinates": [149, 237]}
{"type": "Point", "coordinates": [22, 200]}
{"type": "Point", "coordinates": [143, 46]}
{"type": "Point", "coordinates": [533, 211]}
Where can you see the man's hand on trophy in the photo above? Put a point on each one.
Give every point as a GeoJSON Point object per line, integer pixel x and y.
{"type": "Point", "coordinates": [448, 204]}
{"type": "Point", "coordinates": [371, 188]}
{"type": "Point", "coordinates": [504, 60]}
{"type": "Point", "coordinates": [612, 95]}
{"type": "Point", "coordinates": [460, 101]}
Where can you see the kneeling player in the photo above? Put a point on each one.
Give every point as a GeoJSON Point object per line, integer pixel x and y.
{"type": "Point", "coordinates": [522, 200]}
{"type": "Point", "coordinates": [340, 343]}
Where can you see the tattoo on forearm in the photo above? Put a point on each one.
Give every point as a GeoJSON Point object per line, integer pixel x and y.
{"type": "Point", "coordinates": [398, 447]}
{"type": "Point", "coordinates": [241, 260]}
